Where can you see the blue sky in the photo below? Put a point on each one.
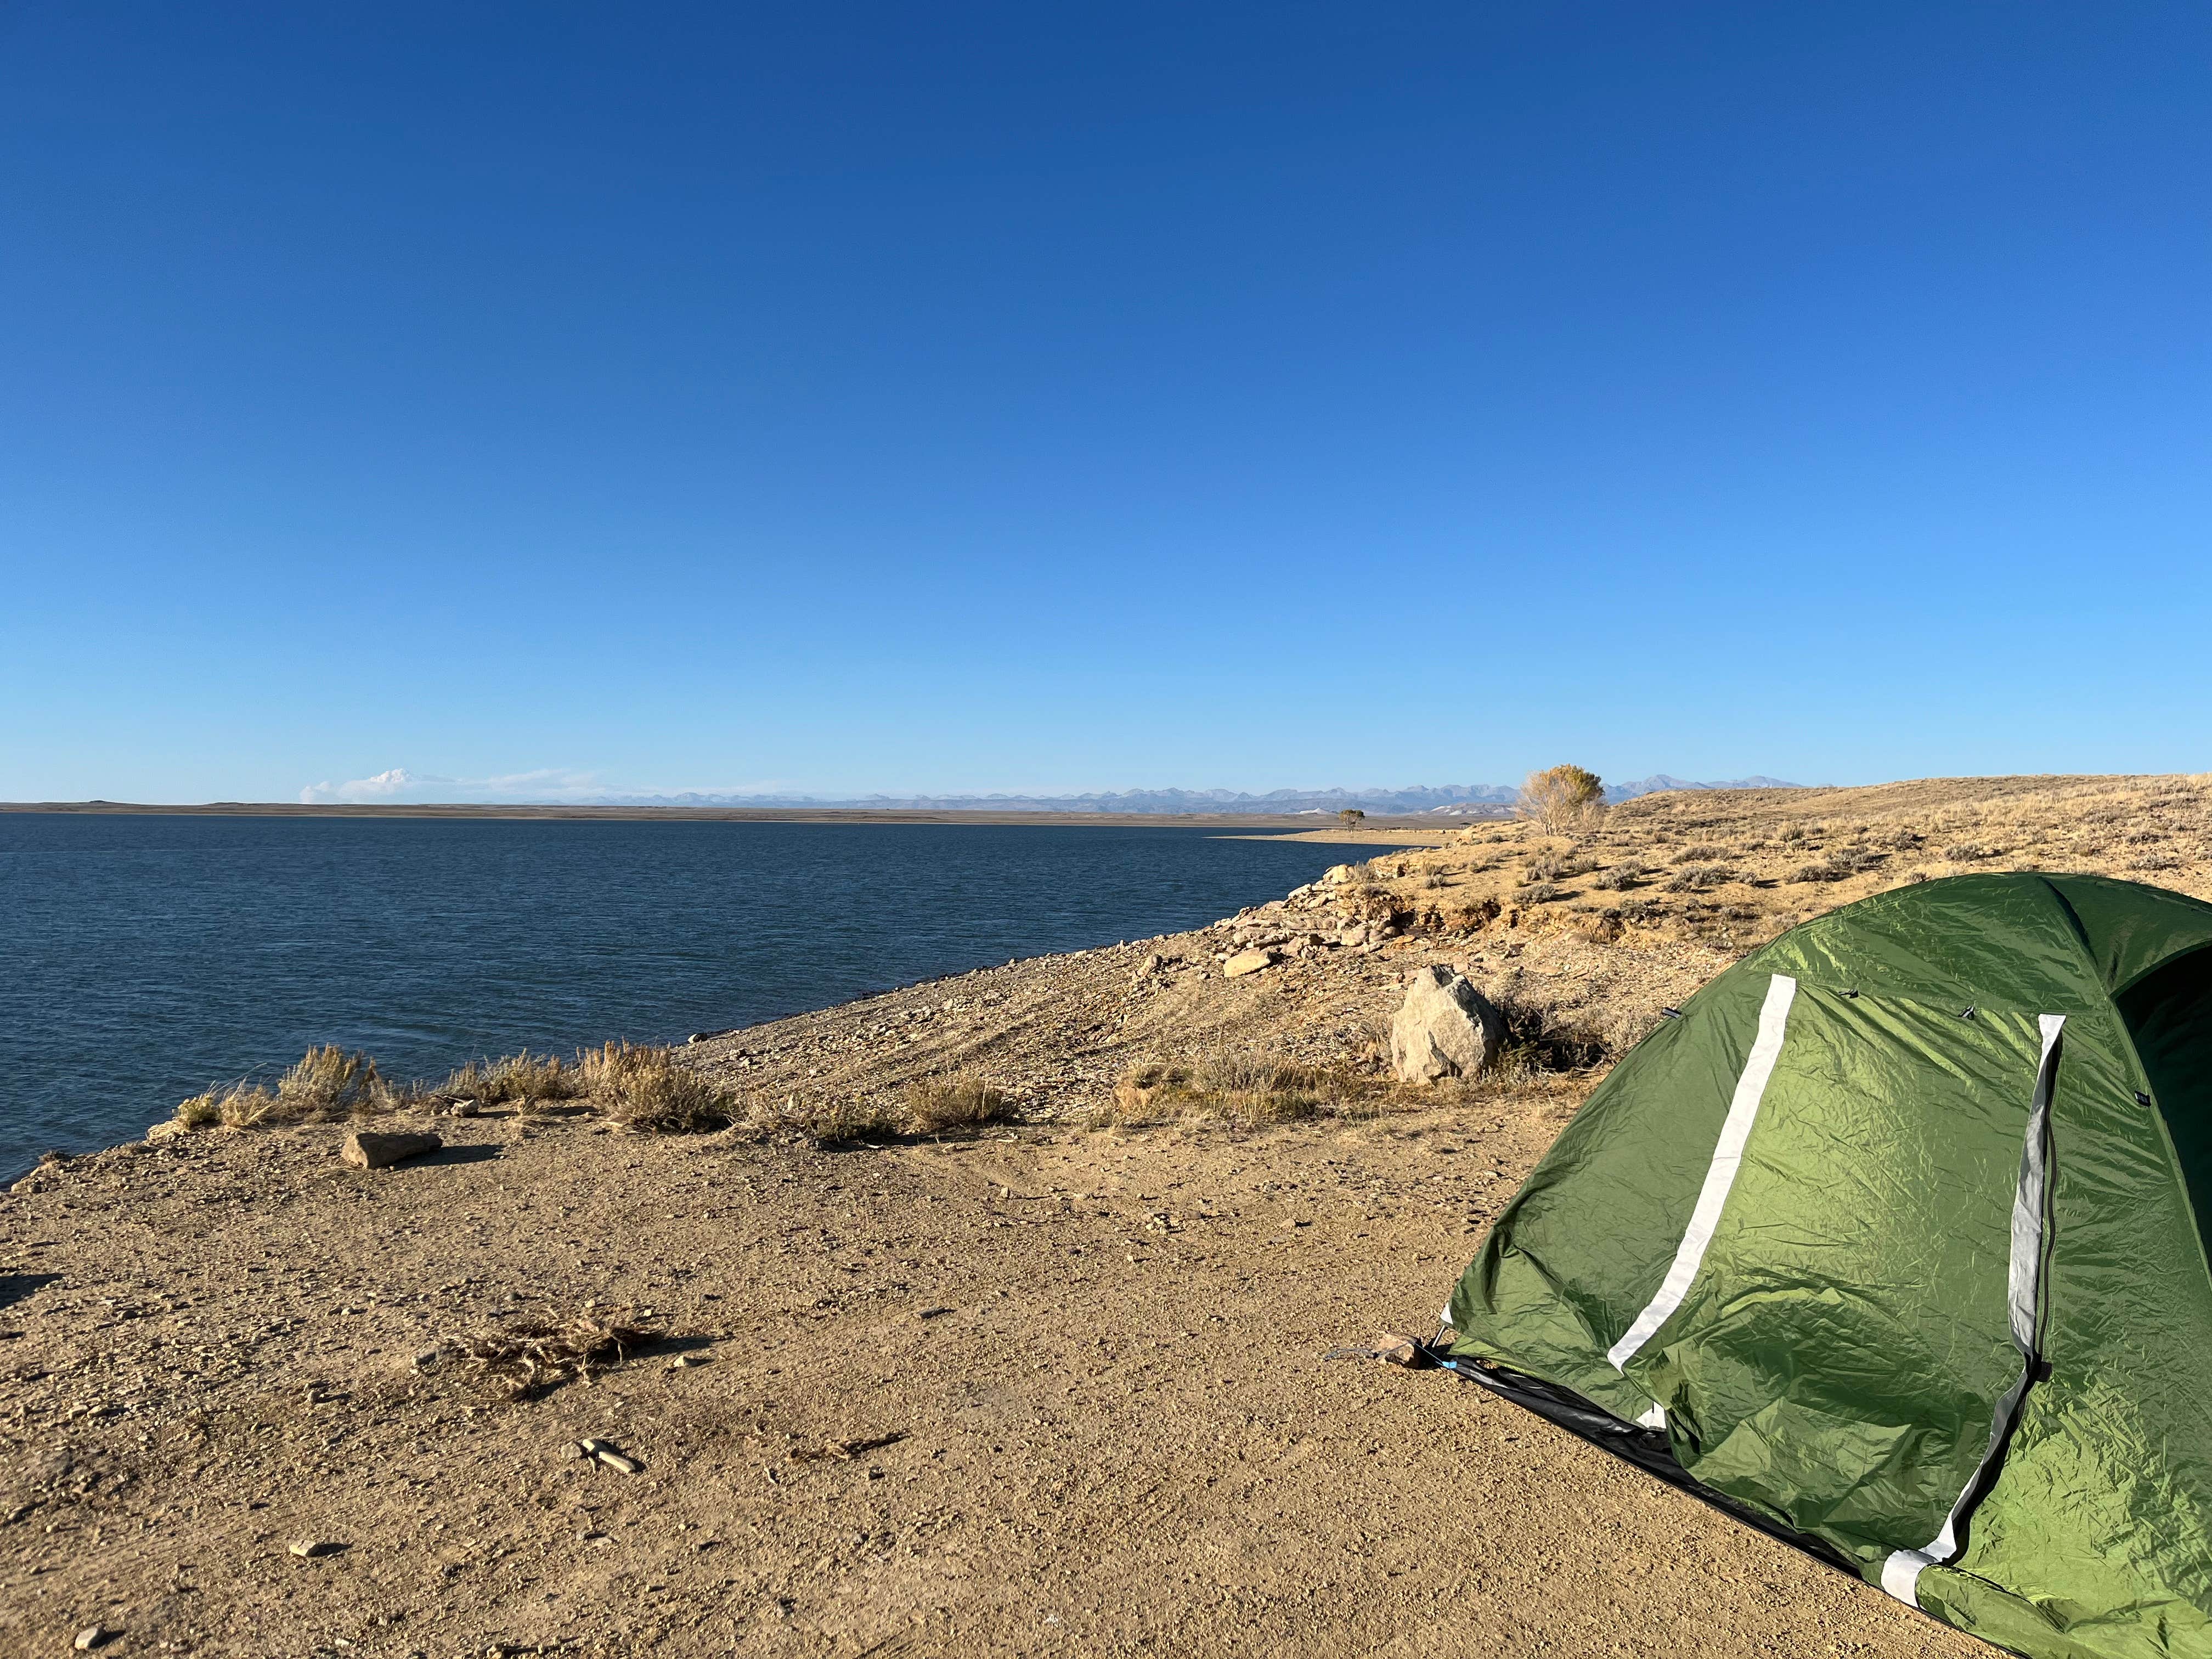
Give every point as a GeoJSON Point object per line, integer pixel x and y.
{"type": "Point", "coordinates": [828, 399]}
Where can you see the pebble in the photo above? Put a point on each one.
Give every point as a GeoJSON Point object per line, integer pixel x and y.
{"type": "Point", "coordinates": [309, 1548]}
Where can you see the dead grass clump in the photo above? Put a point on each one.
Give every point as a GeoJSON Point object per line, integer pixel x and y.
{"type": "Point", "coordinates": [650, 1090]}
{"type": "Point", "coordinates": [1701, 877]}
{"type": "Point", "coordinates": [2156, 861]}
{"type": "Point", "coordinates": [519, 1080]}
{"type": "Point", "coordinates": [1238, 1091]}
{"type": "Point", "coordinates": [532, 1358]}
{"type": "Point", "coordinates": [1825, 870]}
{"type": "Point", "coordinates": [238, 1106]}
{"type": "Point", "coordinates": [936, 1105]}
{"type": "Point", "coordinates": [1967, 852]}
{"type": "Point", "coordinates": [1704, 853]}
{"type": "Point", "coordinates": [841, 1122]}
{"type": "Point", "coordinates": [330, 1082]}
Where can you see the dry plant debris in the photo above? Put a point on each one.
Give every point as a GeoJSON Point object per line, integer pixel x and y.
{"type": "Point", "coordinates": [532, 1358]}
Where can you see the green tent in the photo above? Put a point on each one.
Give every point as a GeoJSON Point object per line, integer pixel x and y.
{"type": "Point", "coordinates": [1891, 1241]}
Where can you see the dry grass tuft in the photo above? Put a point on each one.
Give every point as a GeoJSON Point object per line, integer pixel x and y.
{"type": "Point", "coordinates": [330, 1082]}
{"type": "Point", "coordinates": [843, 1122]}
{"type": "Point", "coordinates": [940, 1104]}
{"type": "Point", "coordinates": [1239, 1092]}
{"type": "Point", "coordinates": [649, 1090]}
{"type": "Point", "coordinates": [532, 1358]}
{"type": "Point", "coordinates": [519, 1080]}
{"type": "Point", "coordinates": [327, 1084]}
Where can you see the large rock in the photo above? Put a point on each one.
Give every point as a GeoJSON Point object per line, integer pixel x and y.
{"type": "Point", "coordinates": [1247, 962]}
{"type": "Point", "coordinates": [1444, 1027]}
{"type": "Point", "coordinates": [372, 1150]}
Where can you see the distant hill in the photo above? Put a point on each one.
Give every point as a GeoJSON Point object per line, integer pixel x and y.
{"type": "Point", "coordinates": [1449, 800]}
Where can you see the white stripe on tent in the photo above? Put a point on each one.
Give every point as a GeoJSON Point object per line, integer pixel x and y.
{"type": "Point", "coordinates": [1727, 1157]}
{"type": "Point", "coordinates": [1901, 1573]}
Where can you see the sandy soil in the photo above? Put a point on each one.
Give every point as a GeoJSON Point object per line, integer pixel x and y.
{"type": "Point", "coordinates": [1040, 1388]}
{"type": "Point", "coordinates": [1091, 1364]}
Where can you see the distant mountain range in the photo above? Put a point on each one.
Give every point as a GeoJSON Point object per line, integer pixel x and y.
{"type": "Point", "coordinates": [1449, 800]}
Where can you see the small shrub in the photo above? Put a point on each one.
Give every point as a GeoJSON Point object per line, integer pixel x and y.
{"type": "Point", "coordinates": [844, 1122]}
{"type": "Point", "coordinates": [1823, 871]}
{"type": "Point", "coordinates": [328, 1082]}
{"type": "Point", "coordinates": [1543, 892]}
{"type": "Point", "coordinates": [941, 1103]}
{"type": "Point", "coordinates": [2156, 861]}
{"type": "Point", "coordinates": [522, 1079]}
{"type": "Point", "coordinates": [1966, 851]}
{"type": "Point", "coordinates": [1701, 854]}
{"type": "Point", "coordinates": [1700, 878]}
{"type": "Point", "coordinates": [650, 1090]}
{"type": "Point", "coordinates": [1793, 833]}
{"type": "Point", "coordinates": [1642, 912]}
{"type": "Point", "coordinates": [202, 1111]}
{"type": "Point", "coordinates": [1621, 877]}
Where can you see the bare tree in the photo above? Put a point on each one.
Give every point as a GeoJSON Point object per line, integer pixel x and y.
{"type": "Point", "coordinates": [1562, 798]}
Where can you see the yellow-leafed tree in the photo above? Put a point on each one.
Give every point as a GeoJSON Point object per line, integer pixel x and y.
{"type": "Point", "coordinates": [1562, 796]}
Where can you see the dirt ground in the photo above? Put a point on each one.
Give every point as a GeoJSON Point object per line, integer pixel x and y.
{"type": "Point", "coordinates": [1044, 1388]}
{"type": "Point", "coordinates": [1040, 1391]}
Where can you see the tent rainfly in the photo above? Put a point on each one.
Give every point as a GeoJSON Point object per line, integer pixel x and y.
{"type": "Point", "coordinates": [1892, 1242]}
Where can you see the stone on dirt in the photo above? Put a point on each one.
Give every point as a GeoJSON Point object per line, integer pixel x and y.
{"type": "Point", "coordinates": [1247, 961]}
{"type": "Point", "coordinates": [1444, 1027]}
{"type": "Point", "coordinates": [308, 1548]}
{"type": "Point", "coordinates": [373, 1151]}
{"type": "Point", "coordinates": [1394, 1350]}
{"type": "Point", "coordinates": [91, 1637]}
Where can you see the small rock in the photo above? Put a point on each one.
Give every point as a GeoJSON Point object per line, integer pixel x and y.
{"type": "Point", "coordinates": [373, 1151]}
{"type": "Point", "coordinates": [167, 1129]}
{"type": "Point", "coordinates": [426, 1358]}
{"type": "Point", "coordinates": [1247, 961]}
{"type": "Point", "coordinates": [617, 1462]}
{"type": "Point", "coordinates": [94, 1636]}
{"type": "Point", "coordinates": [1398, 1350]}
{"type": "Point", "coordinates": [308, 1548]}
{"type": "Point", "coordinates": [931, 1313]}
{"type": "Point", "coordinates": [683, 1361]}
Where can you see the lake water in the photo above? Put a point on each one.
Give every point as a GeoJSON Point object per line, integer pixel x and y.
{"type": "Point", "coordinates": [142, 959]}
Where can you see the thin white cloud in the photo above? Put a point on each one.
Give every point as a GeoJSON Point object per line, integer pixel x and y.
{"type": "Point", "coordinates": [543, 785]}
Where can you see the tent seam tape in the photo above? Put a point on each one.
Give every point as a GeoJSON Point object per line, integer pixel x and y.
{"type": "Point", "coordinates": [1720, 1175]}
